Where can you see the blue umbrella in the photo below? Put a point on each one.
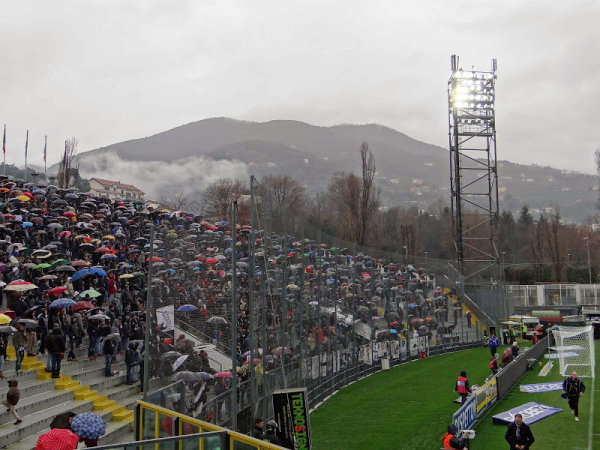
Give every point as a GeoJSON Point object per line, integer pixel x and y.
{"type": "Point", "coordinates": [97, 271]}
{"type": "Point", "coordinates": [88, 426]}
{"type": "Point", "coordinates": [108, 256]}
{"type": "Point", "coordinates": [196, 269]}
{"type": "Point", "coordinates": [392, 331]}
{"type": "Point", "coordinates": [62, 303]}
{"type": "Point", "coordinates": [27, 224]}
{"type": "Point", "coordinates": [186, 308]}
{"type": "Point", "coordinates": [79, 274]}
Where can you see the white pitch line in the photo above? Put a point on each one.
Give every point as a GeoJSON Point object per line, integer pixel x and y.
{"type": "Point", "coordinates": [591, 425]}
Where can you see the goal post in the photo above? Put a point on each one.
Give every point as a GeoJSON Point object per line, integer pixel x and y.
{"type": "Point", "coordinates": [575, 350]}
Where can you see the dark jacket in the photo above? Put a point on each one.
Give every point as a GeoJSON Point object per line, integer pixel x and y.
{"type": "Point", "coordinates": [56, 343]}
{"type": "Point", "coordinates": [108, 348]}
{"type": "Point", "coordinates": [525, 439]}
{"type": "Point", "coordinates": [573, 387]}
{"type": "Point", "coordinates": [19, 339]}
{"type": "Point", "coordinates": [13, 395]}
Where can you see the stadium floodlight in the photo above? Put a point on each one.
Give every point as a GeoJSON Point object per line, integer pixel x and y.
{"type": "Point", "coordinates": [472, 136]}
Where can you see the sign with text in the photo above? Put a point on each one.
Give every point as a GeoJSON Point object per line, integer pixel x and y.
{"type": "Point", "coordinates": [466, 415]}
{"type": "Point", "coordinates": [291, 414]}
{"type": "Point", "coordinates": [486, 394]}
{"type": "Point", "coordinates": [541, 387]}
{"type": "Point", "coordinates": [532, 412]}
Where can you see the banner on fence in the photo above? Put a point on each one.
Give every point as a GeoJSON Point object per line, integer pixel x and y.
{"type": "Point", "coordinates": [487, 394]}
{"type": "Point", "coordinates": [532, 412]}
{"type": "Point", "coordinates": [541, 387]}
{"type": "Point", "coordinates": [395, 349]}
{"type": "Point", "coordinates": [466, 415]}
{"type": "Point", "coordinates": [165, 317]}
{"type": "Point", "coordinates": [290, 407]}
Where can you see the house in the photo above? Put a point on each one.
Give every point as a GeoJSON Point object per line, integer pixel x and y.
{"type": "Point", "coordinates": [114, 189]}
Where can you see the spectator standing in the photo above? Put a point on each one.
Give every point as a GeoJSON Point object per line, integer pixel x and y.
{"type": "Point", "coordinates": [56, 347]}
{"type": "Point", "coordinates": [19, 342]}
{"type": "Point", "coordinates": [519, 435]}
{"type": "Point", "coordinates": [493, 344]}
{"type": "Point", "coordinates": [109, 354]}
{"type": "Point", "coordinates": [515, 349]}
{"type": "Point", "coordinates": [462, 387]}
{"type": "Point", "coordinates": [574, 388]}
{"type": "Point", "coordinates": [12, 398]}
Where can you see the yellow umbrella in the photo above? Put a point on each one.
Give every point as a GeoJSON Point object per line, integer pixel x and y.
{"type": "Point", "coordinates": [125, 276]}
{"type": "Point", "coordinates": [4, 319]}
{"type": "Point", "coordinates": [108, 236]}
{"type": "Point", "coordinates": [23, 198]}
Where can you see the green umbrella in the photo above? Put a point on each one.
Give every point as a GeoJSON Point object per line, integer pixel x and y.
{"type": "Point", "coordinates": [41, 266]}
{"type": "Point", "coordinates": [93, 293]}
{"type": "Point", "coordinates": [59, 262]}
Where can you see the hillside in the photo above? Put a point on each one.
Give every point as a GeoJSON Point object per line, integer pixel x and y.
{"type": "Point", "coordinates": [409, 172]}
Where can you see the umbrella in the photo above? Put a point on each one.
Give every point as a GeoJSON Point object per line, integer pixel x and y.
{"type": "Point", "coordinates": [99, 317]}
{"type": "Point", "coordinates": [7, 329]}
{"type": "Point", "coordinates": [29, 323]}
{"type": "Point", "coordinates": [93, 293]}
{"type": "Point", "coordinates": [88, 425]}
{"type": "Point", "coordinates": [171, 354]}
{"type": "Point", "coordinates": [186, 308]}
{"type": "Point", "coordinates": [57, 290]}
{"type": "Point", "coordinates": [62, 303]}
{"type": "Point", "coordinates": [179, 361]}
{"type": "Point", "coordinates": [217, 320]}
{"type": "Point", "coordinates": [186, 375]}
{"type": "Point", "coordinates": [41, 266]}
{"type": "Point", "coordinates": [126, 276]}
{"type": "Point", "coordinates": [65, 269]}
{"type": "Point", "coordinates": [4, 319]}
{"type": "Point", "coordinates": [223, 375]}
{"type": "Point", "coordinates": [277, 351]}
{"type": "Point", "coordinates": [20, 286]}
{"type": "Point", "coordinates": [108, 256]}
{"type": "Point", "coordinates": [81, 305]}
{"type": "Point", "coordinates": [113, 336]}
{"type": "Point", "coordinates": [79, 274]}
{"type": "Point", "coordinates": [97, 271]}
{"type": "Point", "coordinates": [57, 439]}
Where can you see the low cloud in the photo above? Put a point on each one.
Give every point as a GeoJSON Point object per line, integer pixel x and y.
{"type": "Point", "coordinates": [160, 179]}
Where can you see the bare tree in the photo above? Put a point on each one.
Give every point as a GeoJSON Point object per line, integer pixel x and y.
{"type": "Point", "coordinates": [220, 194]}
{"type": "Point", "coordinates": [369, 199]}
{"type": "Point", "coordinates": [181, 201]}
{"type": "Point", "coordinates": [68, 172]}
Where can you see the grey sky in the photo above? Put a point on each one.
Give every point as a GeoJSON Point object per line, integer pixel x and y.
{"type": "Point", "coordinates": [110, 70]}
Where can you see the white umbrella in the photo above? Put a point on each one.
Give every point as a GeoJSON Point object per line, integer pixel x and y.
{"type": "Point", "coordinates": [179, 361]}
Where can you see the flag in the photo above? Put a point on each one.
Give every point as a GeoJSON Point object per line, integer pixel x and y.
{"type": "Point", "coordinates": [4, 141]}
{"type": "Point", "coordinates": [64, 161]}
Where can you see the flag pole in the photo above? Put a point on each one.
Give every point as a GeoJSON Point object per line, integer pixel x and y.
{"type": "Point", "coordinates": [4, 149]}
{"type": "Point", "coordinates": [26, 145]}
{"type": "Point", "coordinates": [45, 168]}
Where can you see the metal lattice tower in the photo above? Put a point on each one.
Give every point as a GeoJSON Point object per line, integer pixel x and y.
{"type": "Point", "coordinates": [473, 171]}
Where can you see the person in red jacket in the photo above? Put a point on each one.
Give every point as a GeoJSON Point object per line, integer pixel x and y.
{"type": "Point", "coordinates": [462, 387]}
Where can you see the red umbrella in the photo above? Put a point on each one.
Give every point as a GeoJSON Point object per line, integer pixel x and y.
{"type": "Point", "coordinates": [212, 261]}
{"type": "Point", "coordinates": [57, 290]}
{"type": "Point", "coordinates": [82, 305]}
{"type": "Point", "coordinates": [416, 320]}
{"type": "Point", "coordinates": [69, 214]}
{"type": "Point", "coordinates": [80, 263]}
{"type": "Point", "coordinates": [8, 312]}
{"type": "Point", "coordinates": [223, 375]}
{"type": "Point", "coordinates": [57, 439]}
{"type": "Point", "coordinates": [20, 286]}
{"type": "Point", "coordinates": [102, 250]}
{"type": "Point", "coordinates": [154, 259]}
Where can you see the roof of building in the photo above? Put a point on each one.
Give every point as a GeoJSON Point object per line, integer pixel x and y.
{"type": "Point", "coordinates": [118, 184]}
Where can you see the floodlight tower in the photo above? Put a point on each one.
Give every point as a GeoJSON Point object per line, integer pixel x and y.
{"type": "Point", "coordinates": [473, 172]}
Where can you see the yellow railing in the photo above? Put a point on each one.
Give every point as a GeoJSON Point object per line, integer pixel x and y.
{"type": "Point", "coordinates": [155, 422]}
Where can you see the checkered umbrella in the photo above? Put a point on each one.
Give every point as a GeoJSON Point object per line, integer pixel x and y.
{"type": "Point", "coordinates": [88, 425]}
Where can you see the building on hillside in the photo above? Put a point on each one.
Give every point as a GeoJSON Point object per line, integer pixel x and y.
{"type": "Point", "coordinates": [115, 189]}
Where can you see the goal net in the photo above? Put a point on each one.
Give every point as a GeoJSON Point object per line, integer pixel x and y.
{"type": "Point", "coordinates": [575, 350]}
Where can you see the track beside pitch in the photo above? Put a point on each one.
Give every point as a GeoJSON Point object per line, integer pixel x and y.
{"type": "Point", "coordinates": [409, 406]}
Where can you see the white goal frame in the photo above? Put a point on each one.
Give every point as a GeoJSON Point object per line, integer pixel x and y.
{"type": "Point", "coordinates": [581, 360]}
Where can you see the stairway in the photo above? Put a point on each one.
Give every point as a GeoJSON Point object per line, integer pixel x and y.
{"type": "Point", "coordinates": [82, 387]}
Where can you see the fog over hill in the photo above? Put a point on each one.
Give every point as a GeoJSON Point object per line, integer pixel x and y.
{"type": "Point", "coordinates": [409, 172]}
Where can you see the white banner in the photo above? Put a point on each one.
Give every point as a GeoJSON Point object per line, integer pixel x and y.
{"type": "Point", "coordinates": [165, 317]}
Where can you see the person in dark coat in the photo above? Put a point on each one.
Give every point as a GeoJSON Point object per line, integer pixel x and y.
{"type": "Point", "coordinates": [573, 388]}
{"type": "Point", "coordinates": [258, 428]}
{"type": "Point", "coordinates": [519, 435]}
{"type": "Point", "coordinates": [109, 352]}
{"type": "Point", "coordinates": [450, 441]}
{"type": "Point", "coordinates": [56, 346]}
{"type": "Point", "coordinates": [271, 433]}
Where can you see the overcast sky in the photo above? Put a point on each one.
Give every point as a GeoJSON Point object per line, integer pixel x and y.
{"type": "Point", "coordinates": [110, 70]}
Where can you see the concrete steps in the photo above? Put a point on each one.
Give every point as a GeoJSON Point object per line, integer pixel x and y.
{"type": "Point", "coordinates": [82, 387]}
